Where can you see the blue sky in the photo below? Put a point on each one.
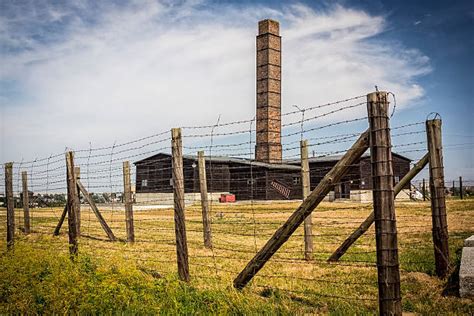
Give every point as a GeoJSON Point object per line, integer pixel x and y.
{"type": "Point", "coordinates": [77, 73]}
{"type": "Point", "coordinates": [442, 30]}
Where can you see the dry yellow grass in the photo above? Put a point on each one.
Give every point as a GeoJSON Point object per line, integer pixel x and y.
{"type": "Point", "coordinates": [239, 230]}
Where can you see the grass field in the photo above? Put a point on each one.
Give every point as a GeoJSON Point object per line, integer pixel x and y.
{"type": "Point", "coordinates": [38, 277]}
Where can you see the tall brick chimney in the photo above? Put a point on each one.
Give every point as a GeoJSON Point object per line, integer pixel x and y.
{"type": "Point", "coordinates": [268, 147]}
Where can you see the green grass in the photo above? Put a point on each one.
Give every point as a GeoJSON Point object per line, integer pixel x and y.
{"type": "Point", "coordinates": [39, 277]}
{"type": "Point", "coordinates": [41, 281]}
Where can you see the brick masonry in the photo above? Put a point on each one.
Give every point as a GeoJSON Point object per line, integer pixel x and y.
{"type": "Point", "coordinates": [268, 147]}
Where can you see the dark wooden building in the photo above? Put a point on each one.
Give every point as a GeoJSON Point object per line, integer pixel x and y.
{"type": "Point", "coordinates": [358, 176]}
{"type": "Point", "coordinates": [249, 179]}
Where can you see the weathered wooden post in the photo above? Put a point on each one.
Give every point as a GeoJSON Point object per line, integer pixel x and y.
{"type": "Point", "coordinates": [206, 216]}
{"type": "Point", "coordinates": [71, 203]}
{"type": "Point", "coordinates": [305, 183]}
{"type": "Point", "coordinates": [384, 205]}
{"type": "Point", "coordinates": [424, 190]}
{"type": "Point", "coordinates": [438, 202]}
{"type": "Point", "coordinates": [453, 189]}
{"type": "Point", "coordinates": [179, 206]}
{"type": "Point", "coordinates": [77, 201]}
{"type": "Point", "coordinates": [9, 204]}
{"type": "Point", "coordinates": [26, 202]}
{"type": "Point", "coordinates": [127, 198]}
{"type": "Point", "coordinates": [461, 194]}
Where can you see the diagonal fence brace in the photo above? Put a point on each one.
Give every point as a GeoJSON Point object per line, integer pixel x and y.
{"type": "Point", "coordinates": [306, 208]}
{"type": "Point", "coordinates": [371, 218]}
{"type": "Point", "coordinates": [94, 208]}
{"type": "Point", "coordinates": [61, 221]}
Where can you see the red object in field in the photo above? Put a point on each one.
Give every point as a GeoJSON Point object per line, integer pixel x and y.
{"type": "Point", "coordinates": [226, 198]}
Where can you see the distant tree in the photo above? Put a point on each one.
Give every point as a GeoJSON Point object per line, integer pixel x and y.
{"type": "Point", "coordinates": [97, 198]}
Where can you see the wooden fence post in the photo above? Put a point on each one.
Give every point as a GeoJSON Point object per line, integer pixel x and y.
{"type": "Point", "coordinates": [283, 233]}
{"type": "Point", "coordinates": [461, 194]}
{"type": "Point", "coordinates": [306, 189]}
{"type": "Point", "coordinates": [384, 205]}
{"type": "Point", "coordinates": [127, 198]}
{"type": "Point", "coordinates": [77, 173]}
{"type": "Point", "coordinates": [206, 216]}
{"type": "Point", "coordinates": [71, 203]}
{"type": "Point", "coordinates": [9, 204]}
{"type": "Point", "coordinates": [424, 190]}
{"type": "Point", "coordinates": [26, 202]}
{"type": "Point", "coordinates": [179, 206]}
{"type": "Point", "coordinates": [438, 202]}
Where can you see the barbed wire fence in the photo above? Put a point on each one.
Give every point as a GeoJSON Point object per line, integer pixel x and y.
{"type": "Point", "coordinates": [217, 240]}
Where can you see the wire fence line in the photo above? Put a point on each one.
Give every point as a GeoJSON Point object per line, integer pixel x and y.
{"type": "Point", "coordinates": [267, 195]}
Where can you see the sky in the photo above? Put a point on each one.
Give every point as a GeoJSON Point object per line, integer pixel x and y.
{"type": "Point", "coordinates": [75, 73]}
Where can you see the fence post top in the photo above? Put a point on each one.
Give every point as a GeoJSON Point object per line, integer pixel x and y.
{"type": "Point", "coordinates": [433, 116]}
{"type": "Point", "coordinates": [175, 132]}
{"type": "Point", "coordinates": [8, 164]}
{"type": "Point", "coordinates": [373, 95]}
{"type": "Point", "coordinates": [436, 121]}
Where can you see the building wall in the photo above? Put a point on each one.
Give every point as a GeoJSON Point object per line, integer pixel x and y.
{"type": "Point", "coordinates": [245, 181]}
{"type": "Point", "coordinates": [400, 168]}
{"type": "Point", "coordinates": [217, 178]}
{"type": "Point", "coordinates": [252, 182]}
{"type": "Point", "coordinates": [153, 175]}
{"type": "Point", "coordinates": [290, 179]}
{"type": "Point", "coordinates": [157, 173]}
{"type": "Point", "coordinates": [351, 181]}
{"type": "Point", "coordinates": [366, 196]}
{"type": "Point", "coordinates": [168, 198]}
{"type": "Point", "coordinates": [248, 182]}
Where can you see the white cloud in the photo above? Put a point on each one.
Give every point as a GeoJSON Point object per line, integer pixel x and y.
{"type": "Point", "coordinates": [149, 66]}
